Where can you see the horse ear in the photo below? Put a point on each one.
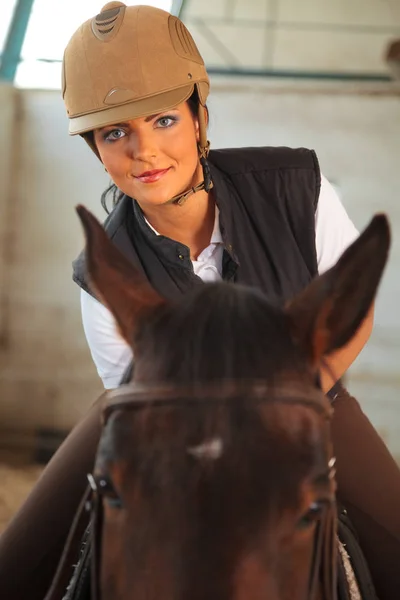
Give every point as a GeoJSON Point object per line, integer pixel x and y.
{"type": "Point", "coordinates": [326, 315]}
{"type": "Point", "coordinates": [122, 288]}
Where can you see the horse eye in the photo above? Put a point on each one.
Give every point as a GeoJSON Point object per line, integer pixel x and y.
{"type": "Point", "coordinates": [107, 490]}
{"type": "Point", "coordinates": [311, 516]}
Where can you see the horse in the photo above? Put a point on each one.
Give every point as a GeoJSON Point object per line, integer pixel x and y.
{"type": "Point", "coordinates": [214, 476]}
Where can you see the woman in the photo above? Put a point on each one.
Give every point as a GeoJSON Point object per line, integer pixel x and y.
{"type": "Point", "coordinates": [135, 88]}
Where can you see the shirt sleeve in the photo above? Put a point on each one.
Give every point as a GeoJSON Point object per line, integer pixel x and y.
{"type": "Point", "coordinates": [334, 230]}
{"type": "Point", "coordinates": [110, 353]}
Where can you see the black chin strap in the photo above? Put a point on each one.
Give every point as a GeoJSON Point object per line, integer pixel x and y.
{"type": "Point", "coordinates": [206, 184]}
{"type": "Point", "coordinates": [180, 199]}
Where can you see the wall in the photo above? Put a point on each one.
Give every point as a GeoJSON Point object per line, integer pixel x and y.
{"type": "Point", "coordinates": [292, 35]}
{"type": "Point", "coordinates": [46, 375]}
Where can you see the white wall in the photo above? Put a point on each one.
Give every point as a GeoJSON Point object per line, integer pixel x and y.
{"type": "Point", "coordinates": [306, 35]}
{"type": "Point", "coordinates": [46, 374]}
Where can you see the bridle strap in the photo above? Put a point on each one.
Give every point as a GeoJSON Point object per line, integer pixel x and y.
{"type": "Point", "coordinates": [68, 557]}
{"type": "Point", "coordinates": [331, 555]}
{"type": "Point", "coordinates": [323, 575]}
{"type": "Point", "coordinates": [96, 525]}
{"type": "Point", "coordinates": [134, 396]}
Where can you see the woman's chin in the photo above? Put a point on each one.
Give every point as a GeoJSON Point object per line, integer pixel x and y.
{"type": "Point", "coordinates": [156, 197]}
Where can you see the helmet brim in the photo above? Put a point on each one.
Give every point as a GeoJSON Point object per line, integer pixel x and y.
{"type": "Point", "coordinates": [131, 110]}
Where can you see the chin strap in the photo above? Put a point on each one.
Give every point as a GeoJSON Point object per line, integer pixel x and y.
{"type": "Point", "coordinates": [206, 184]}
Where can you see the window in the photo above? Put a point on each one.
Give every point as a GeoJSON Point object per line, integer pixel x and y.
{"type": "Point", "coordinates": [51, 25]}
{"type": "Point", "coordinates": [7, 12]}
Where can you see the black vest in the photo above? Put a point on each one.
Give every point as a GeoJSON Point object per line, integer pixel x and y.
{"type": "Point", "coordinates": [267, 199]}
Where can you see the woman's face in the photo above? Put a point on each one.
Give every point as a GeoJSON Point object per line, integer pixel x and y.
{"type": "Point", "coordinates": [154, 158]}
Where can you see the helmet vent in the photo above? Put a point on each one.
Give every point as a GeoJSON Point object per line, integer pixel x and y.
{"type": "Point", "coordinates": [182, 41]}
{"type": "Point", "coordinates": [106, 24]}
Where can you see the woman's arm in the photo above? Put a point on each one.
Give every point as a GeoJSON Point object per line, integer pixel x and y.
{"type": "Point", "coordinates": [110, 353]}
{"type": "Point", "coordinates": [32, 544]}
{"type": "Point", "coordinates": [338, 362]}
{"type": "Point", "coordinates": [334, 232]}
{"type": "Point", "coordinates": [368, 477]}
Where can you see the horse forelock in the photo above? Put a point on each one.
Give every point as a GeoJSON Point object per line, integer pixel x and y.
{"type": "Point", "coordinates": [218, 331]}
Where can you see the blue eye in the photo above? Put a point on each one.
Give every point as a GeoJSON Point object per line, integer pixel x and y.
{"type": "Point", "coordinates": [166, 121]}
{"type": "Point", "coordinates": [114, 135]}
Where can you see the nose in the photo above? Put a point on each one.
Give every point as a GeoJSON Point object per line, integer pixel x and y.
{"type": "Point", "coordinates": [143, 144]}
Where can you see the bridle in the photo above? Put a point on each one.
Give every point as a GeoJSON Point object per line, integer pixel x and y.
{"type": "Point", "coordinates": [136, 397]}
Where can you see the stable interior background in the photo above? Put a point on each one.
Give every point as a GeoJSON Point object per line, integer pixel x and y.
{"type": "Point", "coordinates": [310, 73]}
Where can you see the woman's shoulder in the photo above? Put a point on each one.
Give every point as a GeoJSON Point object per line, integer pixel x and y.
{"type": "Point", "coordinates": [256, 158]}
{"type": "Point", "coordinates": [334, 230]}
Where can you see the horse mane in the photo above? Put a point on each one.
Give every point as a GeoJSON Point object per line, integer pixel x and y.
{"type": "Point", "coordinates": [216, 331]}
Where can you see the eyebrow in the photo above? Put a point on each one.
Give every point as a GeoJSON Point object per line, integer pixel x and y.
{"type": "Point", "coordinates": [151, 117]}
{"type": "Point", "coordinates": [126, 123]}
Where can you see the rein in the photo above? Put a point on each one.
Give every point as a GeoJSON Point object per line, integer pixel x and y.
{"type": "Point", "coordinates": [323, 573]}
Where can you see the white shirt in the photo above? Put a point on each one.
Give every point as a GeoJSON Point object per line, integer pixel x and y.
{"type": "Point", "coordinates": [334, 232]}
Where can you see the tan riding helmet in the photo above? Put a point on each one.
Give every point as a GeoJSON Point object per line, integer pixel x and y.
{"type": "Point", "coordinates": [129, 62]}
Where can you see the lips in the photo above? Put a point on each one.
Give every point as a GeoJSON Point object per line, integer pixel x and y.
{"type": "Point", "coordinates": [151, 176]}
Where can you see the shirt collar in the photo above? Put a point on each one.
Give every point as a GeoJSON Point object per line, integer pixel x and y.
{"type": "Point", "coordinates": [216, 237]}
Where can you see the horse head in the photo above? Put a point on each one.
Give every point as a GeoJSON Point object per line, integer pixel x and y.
{"type": "Point", "coordinates": [215, 464]}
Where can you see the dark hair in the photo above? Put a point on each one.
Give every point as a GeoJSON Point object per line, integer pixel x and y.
{"type": "Point", "coordinates": [112, 191]}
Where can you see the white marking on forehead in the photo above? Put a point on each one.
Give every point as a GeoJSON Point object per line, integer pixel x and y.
{"type": "Point", "coordinates": [210, 449]}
